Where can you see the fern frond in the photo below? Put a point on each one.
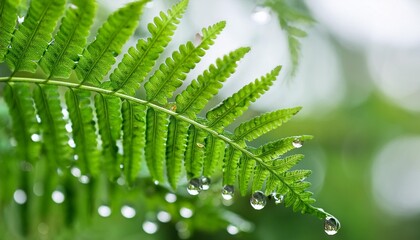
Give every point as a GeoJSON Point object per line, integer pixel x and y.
{"type": "Point", "coordinates": [215, 150]}
{"type": "Point", "coordinates": [81, 115]}
{"type": "Point", "coordinates": [277, 148]}
{"type": "Point", "coordinates": [156, 133]}
{"type": "Point", "coordinates": [8, 19]}
{"type": "Point", "coordinates": [170, 74]}
{"type": "Point", "coordinates": [175, 149]}
{"type": "Point", "coordinates": [260, 125]}
{"type": "Point", "coordinates": [138, 62]}
{"type": "Point", "coordinates": [19, 99]}
{"type": "Point", "coordinates": [52, 125]}
{"type": "Point", "coordinates": [108, 112]}
{"type": "Point", "coordinates": [234, 106]}
{"type": "Point", "coordinates": [260, 176]}
{"type": "Point", "coordinates": [61, 55]}
{"type": "Point", "coordinates": [246, 166]}
{"type": "Point", "coordinates": [133, 139]}
{"type": "Point", "coordinates": [33, 35]}
{"type": "Point", "coordinates": [200, 91]}
{"type": "Point", "coordinates": [194, 154]}
{"type": "Point", "coordinates": [99, 56]}
{"type": "Point", "coordinates": [230, 165]}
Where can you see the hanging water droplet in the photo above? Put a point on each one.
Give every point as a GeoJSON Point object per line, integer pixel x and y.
{"type": "Point", "coordinates": [35, 137]}
{"type": "Point", "coordinates": [232, 230]}
{"type": "Point", "coordinates": [76, 172]}
{"type": "Point", "coordinates": [297, 143]}
{"type": "Point", "coordinates": [186, 212]}
{"type": "Point", "coordinates": [227, 192]}
{"type": "Point", "coordinates": [331, 225]}
{"type": "Point", "coordinates": [205, 183]}
{"type": "Point", "coordinates": [261, 14]}
{"type": "Point", "coordinates": [128, 212]}
{"type": "Point", "coordinates": [104, 211]}
{"type": "Point", "coordinates": [278, 198]}
{"type": "Point", "coordinates": [150, 227]}
{"type": "Point", "coordinates": [258, 200]}
{"type": "Point", "coordinates": [68, 127]}
{"type": "Point", "coordinates": [194, 187]}
{"type": "Point", "coordinates": [71, 143]}
{"type": "Point", "coordinates": [84, 179]}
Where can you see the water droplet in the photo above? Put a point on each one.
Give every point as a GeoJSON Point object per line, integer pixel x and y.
{"type": "Point", "coordinates": [120, 181]}
{"type": "Point", "coordinates": [261, 15]}
{"type": "Point", "coordinates": [76, 157]}
{"type": "Point", "coordinates": [128, 212]}
{"type": "Point", "coordinates": [84, 179]}
{"type": "Point", "coordinates": [71, 143]}
{"type": "Point", "coordinates": [186, 212]}
{"type": "Point", "coordinates": [156, 182]}
{"type": "Point", "coordinates": [68, 127]}
{"type": "Point", "coordinates": [205, 183]}
{"type": "Point", "coordinates": [20, 196]}
{"type": "Point", "coordinates": [65, 113]}
{"type": "Point", "coordinates": [21, 19]}
{"type": "Point", "coordinates": [297, 143]}
{"type": "Point", "coordinates": [194, 187]}
{"type": "Point", "coordinates": [104, 211]}
{"type": "Point", "coordinates": [170, 197]}
{"type": "Point", "coordinates": [114, 53]}
{"type": "Point", "coordinates": [278, 198]}
{"type": "Point", "coordinates": [258, 200]}
{"type": "Point", "coordinates": [72, 6]}
{"type": "Point", "coordinates": [200, 145]}
{"type": "Point", "coordinates": [38, 119]}
{"type": "Point", "coordinates": [164, 216]}
{"type": "Point", "coordinates": [58, 197]}
{"type": "Point", "coordinates": [331, 225]}
{"type": "Point", "coordinates": [232, 230]}
{"type": "Point", "coordinates": [150, 227]}
{"type": "Point", "coordinates": [227, 192]}
{"type": "Point", "coordinates": [198, 38]}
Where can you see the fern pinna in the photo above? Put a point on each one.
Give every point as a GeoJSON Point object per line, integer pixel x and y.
{"type": "Point", "coordinates": [71, 116]}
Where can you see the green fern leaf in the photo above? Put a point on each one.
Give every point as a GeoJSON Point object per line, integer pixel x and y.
{"type": "Point", "coordinates": [61, 55]}
{"type": "Point", "coordinates": [109, 123]}
{"type": "Point", "coordinates": [234, 106]}
{"type": "Point", "coordinates": [156, 132]}
{"type": "Point", "coordinates": [277, 148]}
{"type": "Point", "coordinates": [214, 151]}
{"type": "Point", "coordinates": [170, 74]}
{"type": "Point", "coordinates": [175, 149]}
{"type": "Point", "coordinates": [200, 91]}
{"type": "Point", "coordinates": [19, 99]}
{"type": "Point", "coordinates": [260, 125]}
{"type": "Point", "coordinates": [140, 60]}
{"type": "Point", "coordinates": [285, 164]}
{"type": "Point", "coordinates": [260, 175]}
{"type": "Point", "coordinates": [246, 166]}
{"type": "Point", "coordinates": [133, 139]}
{"type": "Point", "coordinates": [84, 136]}
{"type": "Point", "coordinates": [194, 154]}
{"type": "Point", "coordinates": [52, 125]}
{"type": "Point", "coordinates": [230, 165]}
{"type": "Point", "coordinates": [99, 56]}
{"type": "Point", "coordinates": [8, 19]}
{"type": "Point", "coordinates": [33, 35]}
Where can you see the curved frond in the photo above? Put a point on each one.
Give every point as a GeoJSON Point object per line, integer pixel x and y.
{"type": "Point", "coordinates": [99, 56]}
{"type": "Point", "coordinates": [214, 151]}
{"type": "Point", "coordinates": [170, 74]}
{"type": "Point", "coordinates": [61, 55]}
{"type": "Point", "coordinates": [139, 61]}
{"type": "Point", "coordinates": [231, 165]}
{"type": "Point", "coordinates": [277, 148]}
{"type": "Point", "coordinates": [33, 36]}
{"type": "Point", "coordinates": [194, 154]}
{"type": "Point", "coordinates": [8, 19]}
{"type": "Point", "coordinates": [234, 106]}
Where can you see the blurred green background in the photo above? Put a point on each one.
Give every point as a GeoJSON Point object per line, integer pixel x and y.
{"type": "Point", "coordinates": [357, 81]}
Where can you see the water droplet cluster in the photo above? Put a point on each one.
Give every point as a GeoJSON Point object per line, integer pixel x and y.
{"type": "Point", "coordinates": [196, 185]}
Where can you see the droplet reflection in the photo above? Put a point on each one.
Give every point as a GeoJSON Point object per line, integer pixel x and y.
{"type": "Point", "coordinates": [331, 225]}
{"type": "Point", "coordinates": [258, 200]}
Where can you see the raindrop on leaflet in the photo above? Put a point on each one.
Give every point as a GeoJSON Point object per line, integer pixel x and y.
{"type": "Point", "coordinates": [331, 225]}
{"type": "Point", "coordinates": [205, 183]}
{"type": "Point", "coordinates": [227, 192]}
{"type": "Point", "coordinates": [194, 187]}
{"type": "Point", "coordinates": [258, 200]}
{"type": "Point", "coordinates": [297, 143]}
{"type": "Point", "coordinates": [21, 19]}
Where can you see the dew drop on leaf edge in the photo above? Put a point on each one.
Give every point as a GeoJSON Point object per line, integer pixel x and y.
{"type": "Point", "coordinates": [204, 183]}
{"type": "Point", "coordinates": [258, 200]}
{"type": "Point", "coordinates": [278, 198]}
{"type": "Point", "coordinates": [194, 186]}
{"type": "Point", "coordinates": [297, 143]}
{"type": "Point", "coordinates": [331, 225]}
{"type": "Point", "coordinates": [227, 192]}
